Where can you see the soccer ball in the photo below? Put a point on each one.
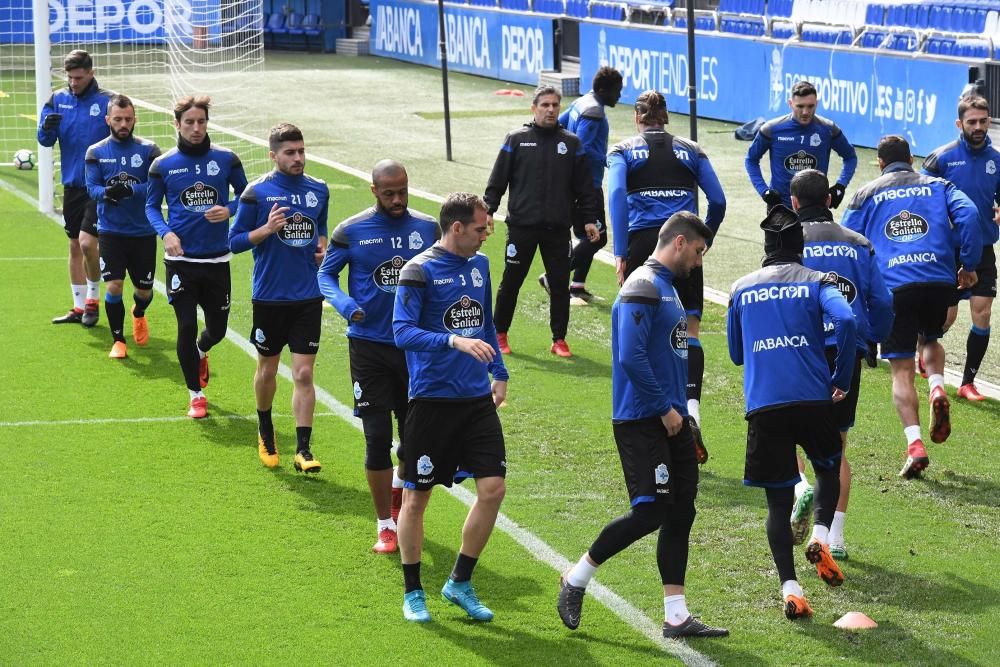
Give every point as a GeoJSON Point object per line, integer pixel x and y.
{"type": "Point", "coordinates": [24, 159]}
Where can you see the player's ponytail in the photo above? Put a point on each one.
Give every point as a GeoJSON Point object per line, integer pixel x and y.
{"type": "Point", "coordinates": [651, 108]}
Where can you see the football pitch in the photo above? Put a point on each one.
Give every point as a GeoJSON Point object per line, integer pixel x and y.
{"type": "Point", "coordinates": [134, 535]}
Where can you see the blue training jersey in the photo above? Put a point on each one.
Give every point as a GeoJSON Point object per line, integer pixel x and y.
{"type": "Point", "coordinates": [775, 328]}
{"type": "Point", "coordinates": [648, 346]}
{"type": "Point", "coordinates": [586, 119]}
{"type": "Point", "coordinates": [648, 183]}
{"type": "Point", "coordinates": [83, 124]}
{"type": "Point", "coordinates": [375, 246]}
{"type": "Point", "coordinates": [974, 171]}
{"type": "Point", "coordinates": [284, 263]}
{"type": "Point", "coordinates": [848, 258]}
{"type": "Point", "coordinates": [794, 147]}
{"type": "Point", "coordinates": [192, 183]}
{"type": "Point", "coordinates": [111, 161]}
{"type": "Point", "coordinates": [909, 217]}
{"type": "Point", "coordinates": [441, 295]}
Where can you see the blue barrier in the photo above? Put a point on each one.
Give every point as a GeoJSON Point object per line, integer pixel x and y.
{"type": "Point", "coordinates": [509, 47]}
{"type": "Point", "coordinates": [868, 95]}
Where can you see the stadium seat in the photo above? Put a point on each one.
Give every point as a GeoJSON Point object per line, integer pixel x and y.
{"type": "Point", "coordinates": [577, 8]}
{"type": "Point", "coordinates": [945, 22]}
{"type": "Point", "coordinates": [782, 30]}
{"type": "Point", "coordinates": [875, 15]}
{"type": "Point", "coordinates": [910, 16]}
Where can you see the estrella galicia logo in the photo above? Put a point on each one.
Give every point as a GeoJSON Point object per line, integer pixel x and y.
{"type": "Point", "coordinates": [416, 241]}
{"type": "Point", "coordinates": [299, 230]}
{"type": "Point", "coordinates": [122, 177]}
{"type": "Point", "coordinates": [662, 474]}
{"type": "Point", "coordinates": [311, 199]}
{"type": "Point", "coordinates": [136, 160]}
{"type": "Point", "coordinates": [199, 197]}
{"type": "Point", "coordinates": [424, 465]}
{"type": "Point", "coordinates": [846, 287]}
{"type": "Point", "coordinates": [357, 390]}
{"type": "Point", "coordinates": [679, 338]}
{"type": "Point", "coordinates": [906, 227]}
{"type": "Point", "coordinates": [259, 335]}
{"type": "Point", "coordinates": [796, 162]}
{"type": "Point", "coordinates": [386, 274]}
{"type": "Point", "coordinates": [464, 317]}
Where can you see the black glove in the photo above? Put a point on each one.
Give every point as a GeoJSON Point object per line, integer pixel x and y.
{"type": "Point", "coordinates": [51, 121]}
{"type": "Point", "coordinates": [118, 191]}
{"type": "Point", "coordinates": [772, 198]}
{"type": "Point", "coordinates": [871, 356]}
{"type": "Point", "coordinates": [837, 193]}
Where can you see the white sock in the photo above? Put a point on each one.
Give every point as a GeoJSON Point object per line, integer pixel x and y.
{"type": "Point", "coordinates": [576, 285]}
{"type": "Point", "coordinates": [821, 534]}
{"type": "Point", "coordinates": [79, 296]}
{"type": "Point", "coordinates": [694, 409]}
{"type": "Point", "coordinates": [93, 289]}
{"type": "Point", "coordinates": [201, 355]}
{"type": "Point", "coordinates": [801, 486]}
{"type": "Point", "coordinates": [675, 610]}
{"type": "Point", "coordinates": [935, 380]}
{"type": "Point", "coordinates": [196, 394]}
{"type": "Point", "coordinates": [397, 481]}
{"type": "Point", "coordinates": [791, 587]}
{"type": "Point", "coordinates": [581, 573]}
{"type": "Point", "coordinates": [912, 434]}
{"type": "Point", "coordinates": [386, 523]}
{"type": "Point", "coordinates": [837, 528]}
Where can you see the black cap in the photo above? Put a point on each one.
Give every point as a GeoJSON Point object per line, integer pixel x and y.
{"type": "Point", "coordinates": [782, 231]}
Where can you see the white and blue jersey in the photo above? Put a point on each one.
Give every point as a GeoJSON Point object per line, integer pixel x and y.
{"type": "Point", "coordinates": [83, 124]}
{"type": "Point", "coordinates": [441, 295]}
{"type": "Point", "coordinates": [775, 329]}
{"type": "Point", "coordinates": [849, 258]}
{"type": "Point", "coordinates": [794, 147]}
{"type": "Point", "coordinates": [909, 219]}
{"type": "Point", "coordinates": [284, 263]}
{"type": "Point", "coordinates": [375, 246]}
{"type": "Point", "coordinates": [586, 119]}
{"type": "Point", "coordinates": [974, 171]}
{"type": "Point", "coordinates": [649, 346]}
{"type": "Point", "coordinates": [654, 175]}
{"type": "Point", "coordinates": [194, 179]}
{"type": "Point", "coordinates": [110, 162]}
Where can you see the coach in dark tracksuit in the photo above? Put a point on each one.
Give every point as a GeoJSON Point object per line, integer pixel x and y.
{"type": "Point", "coordinates": [547, 172]}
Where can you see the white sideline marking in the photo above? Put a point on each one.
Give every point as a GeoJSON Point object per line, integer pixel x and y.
{"type": "Point", "coordinates": [32, 259]}
{"type": "Point", "coordinates": [534, 544]}
{"type": "Point", "coordinates": [141, 420]}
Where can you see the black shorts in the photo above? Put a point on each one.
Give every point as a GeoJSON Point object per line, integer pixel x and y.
{"type": "Point", "coordinates": [845, 411]}
{"type": "Point", "coordinates": [986, 272]}
{"type": "Point", "coordinates": [380, 377]}
{"type": "Point", "coordinates": [79, 212]}
{"type": "Point", "coordinates": [295, 324]}
{"type": "Point", "coordinates": [449, 441]}
{"type": "Point", "coordinates": [579, 223]}
{"type": "Point", "coordinates": [657, 467]}
{"type": "Point", "coordinates": [208, 284]}
{"type": "Point", "coordinates": [919, 311]}
{"type": "Point", "coordinates": [773, 434]}
{"type": "Point", "coordinates": [691, 290]}
{"type": "Point", "coordinates": [134, 254]}
{"type": "Point", "coordinates": [641, 244]}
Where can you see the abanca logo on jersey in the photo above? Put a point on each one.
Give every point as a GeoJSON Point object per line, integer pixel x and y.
{"type": "Point", "coordinates": [906, 227]}
{"type": "Point", "coordinates": [300, 230]}
{"type": "Point", "coordinates": [199, 197]}
{"type": "Point", "coordinates": [464, 317]}
{"type": "Point", "coordinates": [796, 162]}
{"type": "Point", "coordinates": [386, 274]}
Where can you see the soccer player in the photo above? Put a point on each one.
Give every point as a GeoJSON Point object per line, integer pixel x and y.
{"type": "Point", "coordinates": [586, 119]}
{"type": "Point", "coordinates": [655, 443]}
{"type": "Point", "coordinates": [117, 170]}
{"type": "Point", "coordinates": [195, 178]}
{"type": "Point", "coordinates": [796, 141]}
{"type": "Point", "coordinates": [443, 318]}
{"type": "Point", "coordinates": [549, 177]}
{"type": "Point", "coordinates": [973, 165]}
{"type": "Point", "coordinates": [76, 118]}
{"type": "Point", "coordinates": [775, 327]}
{"type": "Point", "coordinates": [651, 176]}
{"type": "Point", "coordinates": [282, 218]}
{"type": "Point", "coordinates": [914, 221]}
{"type": "Point", "coordinates": [375, 244]}
{"type": "Point", "coordinates": [849, 257]}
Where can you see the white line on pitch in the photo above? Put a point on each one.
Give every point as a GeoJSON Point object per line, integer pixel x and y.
{"type": "Point", "coordinates": [140, 420]}
{"type": "Point", "coordinates": [32, 259]}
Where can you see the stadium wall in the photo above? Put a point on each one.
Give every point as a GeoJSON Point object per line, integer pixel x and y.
{"type": "Point", "coordinates": [868, 93]}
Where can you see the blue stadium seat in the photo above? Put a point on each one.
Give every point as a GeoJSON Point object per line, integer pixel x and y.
{"type": "Point", "coordinates": [875, 15]}
{"type": "Point", "coordinates": [704, 23]}
{"type": "Point", "coordinates": [910, 16]}
{"type": "Point", "coordinates": [682, 22]}
{"type": "Point", "coordinates": [934, 17]}
{"type": "Point", "coordinates": [577, 8]}
{"type": "Point", "coordinates": [782, 30]}
{"type": "Point", "coordinates": [923, 17]}
{"type": "Point", "coordinates": [311, 25]}
{"type": "Point", "coordinates": [275, 23]}
{"type": "Point", "coordinates": [945, 22]}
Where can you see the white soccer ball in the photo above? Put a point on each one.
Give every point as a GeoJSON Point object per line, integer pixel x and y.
{"type": "Point", "coordinates": [24, 159]}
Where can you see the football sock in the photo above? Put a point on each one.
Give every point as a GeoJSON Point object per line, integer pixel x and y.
{"type": "Point", "coordinates": [386, 523]}
{"type": "Point", "coordinates": [581, 573]}
{"type": "Point", "coordinates": [694, 409]}
{"type": "Point", "coordinates": [463, 568]}
{"type": "Point", "coordinates": [696, 369]}
{"type": "Point", "coordinates": [837, 528]}
{"type": "Point", "coordinates": [79, 296]}
{"type": "Point", "coordinates": [912, 434]}
{"type": "Point", "coordinates": [201, 354]}
{"type": "Point", "coordinates": [93, 289]}
{"type": "Point", "coordinates": [397, 481]}
{"type": "Point", "coordinates": [821, 534]}
{"type": "Point", "coordinates": [779, 531]}
{"type": "Point", "coordinates": [141, 305]}
{"type": "Point", "coordinates": [195, 394]}
{"type": "Point", "coordinates": [791, 587]}
{"type": "Point", "coordinates": [827, 495]}
{"type": "Point", "coordinates": [672, 542]}
{"type": "Point", "coordinates": [265, 426]}
{"type": "Point", "coordinates": [411, 577]}
{"type": "Point", "coordinates": [302, 436]}
{"type": "Point", "coordinates": [619, 533]}
{"type": "Point", "coordinates": [802, 485]}
{"type": "Point", "coordinates": [975, 350]}
{"type": "Point", "coordinates": [115, 310]}
{"type": "Point", "coordinates": [935, 380]}
{"type": "Point", "coordinates": [675, 609]}
{"type": "Point", "coordinates": [576, 285]}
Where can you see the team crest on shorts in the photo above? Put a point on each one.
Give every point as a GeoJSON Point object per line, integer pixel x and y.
{"type": "Point", "coordinates": [212, 168]}
{"type": "Point", "coordinates": [424, 465]}
{"type": "Point", "coordinates": [357, 390]}
{"type": "Point", "coordinates": [175, 282]}
{"type": "Point", "coordinates": [662, 474]}
{"type": "Point", "coordinates": [259, 335]}
{"type": "Point", "coordinates": [103, 265]}
{"type": "Point", "coordinates": [511, 250]}
{"type": "Point", "coordinates": [311, 199]}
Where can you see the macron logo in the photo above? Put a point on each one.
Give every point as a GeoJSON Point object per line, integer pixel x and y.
{"type": "Point", "coordinates": [369, 241]}
{"type": "Point", "coordinates": [902, 193]}
{"type": "Point", "coordinates": [830, 251]}
{"type": "Point", "coordinates": [774, 292]}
